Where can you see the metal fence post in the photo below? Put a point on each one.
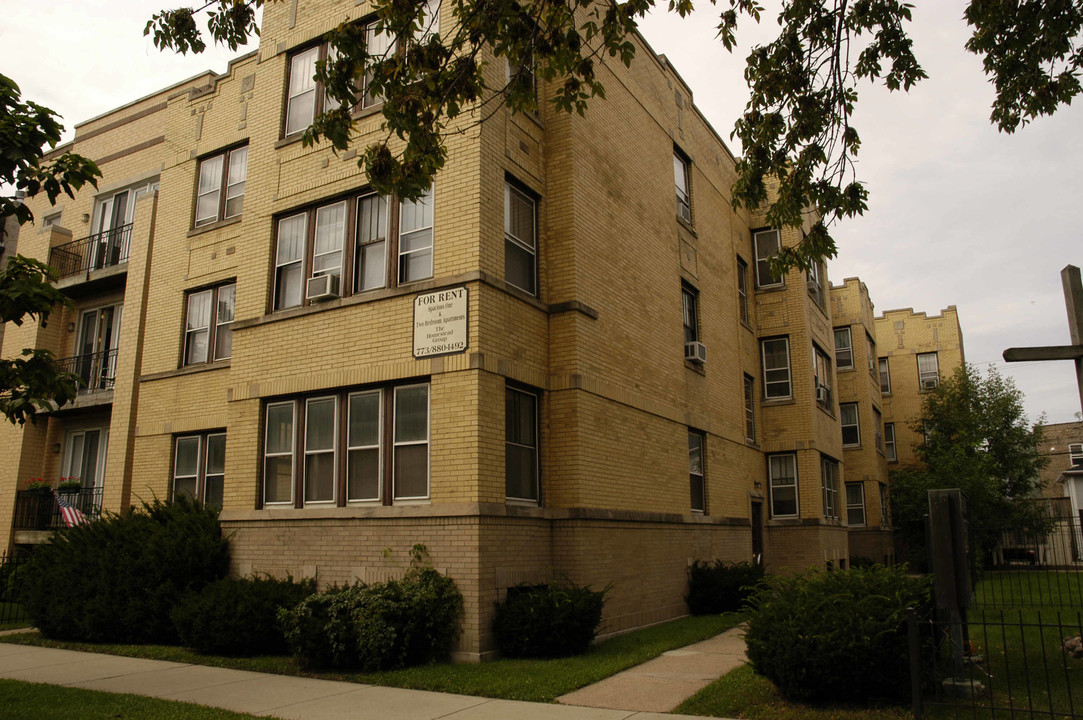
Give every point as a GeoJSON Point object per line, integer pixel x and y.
{"type": "Point", "coordinates": [915, 663]}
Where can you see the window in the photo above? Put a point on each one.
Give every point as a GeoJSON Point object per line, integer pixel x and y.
{"type": "Point", "coordinates": [209, 324]}
{"type": "Point", "coordinates": [304, 98]}
{"type": "Point", "coordinates": [928, 371]}
{"type": "Point", "coordinates": [870, 354]}
{"type": "Point", "coordinates": [521, 444]}
{"type": "Point", "coordinates": [1075, 454]}
{"type": "Point", "coordinates": [520, 244]}
{"type": "Point", "coordinates": [829, 471]}
{"type": "Point", "coordinates": [855, 504]}
{"type": "Point", "coordinates": [821, 378]}
{"type": "Point", "coordinates": [885, 376]}
{"type": "Point", "coordinates": [742, 290]}
{"type": "Point", "coordinates": [380, 46]}
{"type": "Point", "coordinates": [782, 482]}
{"type": "Point", "coordinates": [690, 313]}
{"type": "Point", "coordinates": [776, 368]}
{"type": "Point", "coordinates": [696, 442]}
{"type": "Point", "coordinates": [684, 194]}
{"type": "Point", "coordinates": [885, 507]}
{"type": "Point", "coordinates": [333, 450]}
{"type": "Point", "coordinates": [199, 467]}
{"type": "Point", "coordinates": [844, 350]}
{"type": "Point", "coordinates": [50, 220]}
{"type": "Point", "coordinates": [878, 429]}
{"type": "Point", "coordinates": [220, 192]}
{"type": "Point", "coordinates": [766, 243]}
{"type": "Point", "coordinates": [816, 284]}
{"type": "Point", "coordinates": [750, 416]}
{"type": "Point", "coordinates": [522, 75]}
{"type": "Point", "coordinates": [889, 442]}
{"type": "Point", "coordinates": [352, 239]}
{"type": "Point", "coordinates": [851, 432]}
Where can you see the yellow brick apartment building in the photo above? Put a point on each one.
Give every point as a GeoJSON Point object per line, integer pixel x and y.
{"type": "Point", "coordinates": [570, 359]}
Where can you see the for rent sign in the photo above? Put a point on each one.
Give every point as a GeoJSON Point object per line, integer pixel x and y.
{"type": "Point", "coordinates": [440, 322]}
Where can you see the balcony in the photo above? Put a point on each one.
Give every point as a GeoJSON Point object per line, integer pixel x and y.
{"type": "Point", "coordinates": [90, 262]}
{"type": "Point", "coordinates": [36, 511]}
{"type": "Point", "coordinates": [97, 375]}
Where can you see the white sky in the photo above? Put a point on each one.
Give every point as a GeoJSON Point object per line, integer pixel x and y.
{"type": "Point", "coordinates": [959, 214]}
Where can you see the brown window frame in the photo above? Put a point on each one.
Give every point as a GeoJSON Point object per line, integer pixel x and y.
{"type": "Point", "coordinates": [214, 327]}
{"type": "Point", "coordinates": [202, 457]}
{"type": "Point", "coordinates": [223, 187]}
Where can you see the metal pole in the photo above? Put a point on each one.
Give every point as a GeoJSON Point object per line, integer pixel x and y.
{"type": "Point", "coordinates": [915, 663]}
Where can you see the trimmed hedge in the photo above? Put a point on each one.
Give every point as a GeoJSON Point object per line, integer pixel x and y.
{"type": "Point", "coordinates": [238, 616]}
{"type": "Point", "coordinates": [377, 627]}
{"type": "Point", "coordinates": [718, 587]}
{"type": "Point", "coordinates": [829, 635]}
{"type": "Point", "coordinates": [117, 579]}
{"type": "Point", "coordinates": [548, 621]}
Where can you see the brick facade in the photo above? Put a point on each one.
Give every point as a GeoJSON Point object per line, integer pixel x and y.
{"type": "Point", "coordinates": [601, 347]}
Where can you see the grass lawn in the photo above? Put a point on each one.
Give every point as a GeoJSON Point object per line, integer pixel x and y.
{"type": "Point", "coordinates": [1023, 587]}
{"type": "Point", "coordinates": [30, 701]}
{"type": "Point", "coordinates": [532, 680]}
{"type": "Point", "coordinates": [741, 693]}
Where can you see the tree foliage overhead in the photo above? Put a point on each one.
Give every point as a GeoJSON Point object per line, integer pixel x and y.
{"type": "Point", "coordinates": [31, 382]}
{"type": "Point", "coordinates": [978, 439]}
{"type": "Point", "coordinates": [798, 139]}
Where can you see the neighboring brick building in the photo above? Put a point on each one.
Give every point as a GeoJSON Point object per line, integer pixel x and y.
{"type": "Point", "coordinates": [915, 352]}
{"type": "Point", "coordinates": [1062, 443]}
{"type": "Point", "coordinates": [862, 419]}
{"type": "Point", "coordinates": [618, 384]}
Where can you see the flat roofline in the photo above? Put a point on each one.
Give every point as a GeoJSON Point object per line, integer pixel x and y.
{"type": "Point", "coordinates": [167, 89]}
{"type": "Point", "coordinates": [910, 310]}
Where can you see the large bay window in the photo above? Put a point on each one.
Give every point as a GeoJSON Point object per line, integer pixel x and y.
{"type": "Point", "coordinates": [352, 240]}
{"type": "Point", "coordinates": [332, 449]}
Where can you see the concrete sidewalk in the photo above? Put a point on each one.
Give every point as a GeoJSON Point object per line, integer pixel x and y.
{"type": "Point", "coordinates": [291, 698]}
{"type": "Point", "coordinates": [662, 684]}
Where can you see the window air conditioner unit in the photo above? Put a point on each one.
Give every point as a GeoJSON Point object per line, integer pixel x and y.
{"type": "Point", "coordinates": [696, 352]}
{"type": "Point", "coordinates": [821, 393]}
{"type": "Point", "coordinates": [322, 287]}
{"type": "Point", "coordinates": [929, 384]}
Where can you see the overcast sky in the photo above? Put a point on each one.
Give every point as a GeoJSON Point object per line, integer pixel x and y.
{"type": "Point", "coordinates": [959, 214]}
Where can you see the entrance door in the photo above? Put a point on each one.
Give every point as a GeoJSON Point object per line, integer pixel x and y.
{"type": "Point", "coordinates": [99, 331]}
{"type": "Point", "coordinates": [757, 532]}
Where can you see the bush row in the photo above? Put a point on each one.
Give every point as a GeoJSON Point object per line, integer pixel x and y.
{"type": "Point", "coordinates": [718, 587]}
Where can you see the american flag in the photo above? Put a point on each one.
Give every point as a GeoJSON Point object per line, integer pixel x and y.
{"type": "Point", "coordinates": [72, 515]}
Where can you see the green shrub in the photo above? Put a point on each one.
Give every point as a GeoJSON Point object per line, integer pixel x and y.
{"type": "Point", "coordinates": [377, 627]}
{"type": "Point", "coordinates": [718, 587]}
{"type": "Point", "coordinates": [116, 579]}
{"type": "Point", "coordinates": [238, 616]}
{"type": "Point", "coordinates": [829, 635]}
{"type": "Point", "coordinates": [548, 621]}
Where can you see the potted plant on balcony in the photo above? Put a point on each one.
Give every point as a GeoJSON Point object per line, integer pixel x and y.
{"type": "Point", "coordinates": [70, 485]}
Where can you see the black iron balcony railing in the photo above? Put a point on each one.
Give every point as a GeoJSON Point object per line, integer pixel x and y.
{"type": "Point", "coordinates": [35, 510]}
{"type": "Point", "coordinates": [98, 251]}
{"type": "Point", "coordinates": [96, 371]}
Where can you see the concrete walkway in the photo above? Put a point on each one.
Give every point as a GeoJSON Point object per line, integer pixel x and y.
{"type": "Point", "coordinates": [296, 698]}
{"type": "Point", "coordinates": [662, 684]}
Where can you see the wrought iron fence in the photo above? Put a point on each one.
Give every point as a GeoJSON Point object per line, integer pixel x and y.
{"type": "Point", "coordinates": [96, 371]}
{"type": "Point", "coordinates": [1040, 567]}
{"type": "Point", "coordinates": [11, 612]}
{"type": "Point", "coordinates": [95, 252]}
{"type": "Point", "coordinates": [40, 511]}
{"type": "Point", "coordinates": [1012, 664]}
